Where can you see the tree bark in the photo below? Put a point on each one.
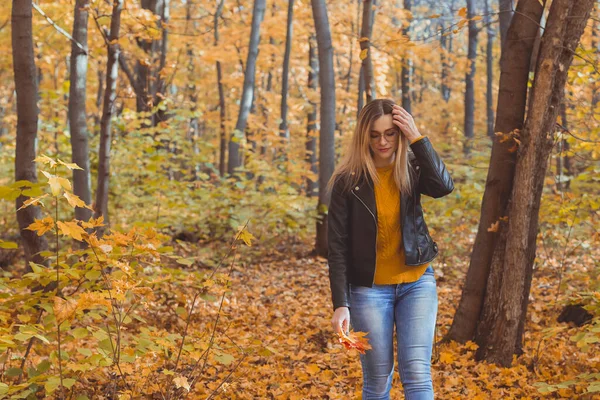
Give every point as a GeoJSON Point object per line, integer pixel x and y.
{"type": "Point", "coordinates": [327, 116]}
{"type": "Point", "coordinates": [506, 13]}
{"type": "Point", "coordinates": [365, 44]}
{"type": "Point", "coordinates": [77, 110]}
{"type": "Point", "coordinates": [283, 127]}
{"type": "Point", "coordinates": [406, 65]}
{"type": "Point", "coordinates": [499, 336]}
{"type": "Point", "coordinates": [512, 97]}
{"type": "Point", "coordinates": [235, 159]}
{"type": "Point", "coordinates": [222, 110]}
{"type": "Point", "coordinates": [312, 125]}
{"type": "Point", "coordinates": [489, 95]}
{"type": "Point", "coordinates": [27, 121]}
{"type": "Point", "coordinates": [563, 161]}
{"type": "Point", "coordinates": [469, 123]}
{"type": "Point", "coordinates": [110, 95]}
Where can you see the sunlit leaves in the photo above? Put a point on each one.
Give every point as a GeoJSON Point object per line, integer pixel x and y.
{"type": "Point", "coordinates": [245, 236]}
{"type": "Point", "coordinates": [75, 201]}
{"type": "Point", "coordinates": [33, 201]}
{"type": "Point", "coordinates": [41, 226]}
{"type": "Point", "coordinates": [72, 229]}
{"type": "Point", "coordinates": [182, 382]}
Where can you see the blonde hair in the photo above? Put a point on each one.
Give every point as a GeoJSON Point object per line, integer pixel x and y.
{"type": "Point", "coordinates": [358, 158]}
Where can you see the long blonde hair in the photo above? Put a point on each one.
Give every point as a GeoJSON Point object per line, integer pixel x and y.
{"type": "Point", "coordinates": [358, 158]}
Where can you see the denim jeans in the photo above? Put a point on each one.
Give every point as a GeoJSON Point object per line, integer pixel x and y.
{"type": "Point", "coordinates": [412, 307]}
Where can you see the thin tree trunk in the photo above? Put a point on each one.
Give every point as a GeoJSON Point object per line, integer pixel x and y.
{"type": "Point", "coordinates": [361, 91]}
{"type": "Point", "coordinates": [327, 116]}
{"type": "Point", "coordinates": [489, 96]}
{"type": "Point", "coordinates": [365, 45]}
{"type": "Point", "coordinates": [563, 161]}
{"type": "Point", "coordinates": [235, 159]}
{"type": "Point", "coordinates": [283, 127]}
{"type": "Point", "coordinates": [27, 121]}
{"type": "Point", "coordinates": [222, 110]}
{"type": "Point", "coordinates": [469, 124]}
{"type": "Point", "coordinates": [312, 125]}
{"type": "Point", "coordinates": [499, 336]}
{"type": "Point", "coordinates": [99, 93]}
{"type": "Point", "coordinates": [512, 97]}
{"type": "Point", "coordinates": [506, 13]}
{"type": "Point", "coordinates": [110, 95]}
{"type": "Point", "coordinates": [406, 65]}
{"type": "Point", "coordinates": [77, 110]}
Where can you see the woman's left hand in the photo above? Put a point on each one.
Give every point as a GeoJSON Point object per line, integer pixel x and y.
{"type": "Point", "coordinates": [403, 120]}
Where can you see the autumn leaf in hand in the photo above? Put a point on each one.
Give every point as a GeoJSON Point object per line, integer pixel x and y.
{"type": "Point", "coordinates": [354, 340]}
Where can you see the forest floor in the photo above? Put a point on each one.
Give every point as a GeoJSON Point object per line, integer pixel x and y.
{"type": "Point", "coordinates": [283, 302]}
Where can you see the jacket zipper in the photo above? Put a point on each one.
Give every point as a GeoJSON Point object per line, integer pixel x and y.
{"type": "Point", "coordinates": [376, 231]}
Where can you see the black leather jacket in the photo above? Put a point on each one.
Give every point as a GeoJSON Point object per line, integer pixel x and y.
{"type": "Point", "coordinates": [352, 223]}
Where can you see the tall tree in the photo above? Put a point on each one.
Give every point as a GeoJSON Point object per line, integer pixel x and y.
{"type": "Point", "coordinates": [510, 113]}
{"type": "Point", "coordinates": [327, 116]}
{"type": "Point", "coordinates": [489, 95]}
{"type": "Point", "coordinates": [406, 62]}
{"type": "Point", "coordinates": [235, 160]}
{"type": "Point", "coordinates": [469, 124]}
{"type": "Point", "coordinates": [506, 13]}
{"type": "Point", "coordinates": [146, 78]}
{"type": "Point", "coordinates": [222, 110]}
{"type": "Point", "coordinates": [283, 126]}
{"type": "Point", "coordinates": [312, 125]}
{"type": "Point", "coordinates": [77, 110]}
{"type": "Point", "coordinates": [108, 109]}
{"type": "Point", "coordinates": [366, 67]}
{"type": "Point", "coordinates": [499, 335]}
{"type": "Point", "coordinates": [27, 121]}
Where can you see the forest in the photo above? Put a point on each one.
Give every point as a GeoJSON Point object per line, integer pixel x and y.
{"type": "Point", "coordinates": [163, 193]}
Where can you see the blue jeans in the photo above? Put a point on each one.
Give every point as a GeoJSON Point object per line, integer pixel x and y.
{"type": "Point", "coordinates": [412, 307]}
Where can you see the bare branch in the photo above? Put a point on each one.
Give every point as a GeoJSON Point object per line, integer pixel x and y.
{"type": "Point", "coordinates": [59, 29]}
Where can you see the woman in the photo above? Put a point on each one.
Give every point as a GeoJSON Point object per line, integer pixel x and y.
{"type": "Point", "coordinates": [380, 250]}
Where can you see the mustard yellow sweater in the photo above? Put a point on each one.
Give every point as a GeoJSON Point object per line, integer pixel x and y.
{"type": "Point", "coordinates": [390, 267]}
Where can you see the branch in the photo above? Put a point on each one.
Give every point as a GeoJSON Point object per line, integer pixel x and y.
{"type": "Point", "coordinates": [59, 29]}
{"type": "Point", "coordinates": [127, 69]}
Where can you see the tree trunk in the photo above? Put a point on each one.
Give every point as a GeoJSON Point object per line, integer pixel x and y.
{"type": "Point", "coordinates": [512, 96]}
{"type": "Point", "coordinates": [499, 335]}
{"type": "Point", "coordinates": [469, 124]}
{"type": "Point", "coordinates": [110, 95]}
{"type": "Point", "coordinates": [235, 159]}
{"type": "Point", "coordinates": [406, 65]}
{"type": "Point", "coordinates": [489, 96]}
{"type": "Point", "coordinates": [327, 116]}
{"type": "Point", "coordinates": [361, 91]}
{"type": "Point", "coordinates": [283, 127]}
{"type": "Point", "coordinates": [27, 121]}
{"type": "Point", "coordinates": [77, 109]}
{"type": "Point", "coordinates": [222, 110]}
{"type": "Point", "coordinates": [506, 13]}
{"type": "Point", "coordinates": [563, 161]}
{"type": "Point", "coordinates": [312, 125]}
{"type": "Point", "coordinates": [365, 45]}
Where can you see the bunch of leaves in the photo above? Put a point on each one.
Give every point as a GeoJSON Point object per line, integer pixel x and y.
{"type": "Point", "coordinates": [354, 340]}
{"type": "Point", "coordinates": [111, 318]}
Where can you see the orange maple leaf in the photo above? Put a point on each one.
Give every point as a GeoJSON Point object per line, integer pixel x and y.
{"type": "Point", "coordinates": [354, 340]}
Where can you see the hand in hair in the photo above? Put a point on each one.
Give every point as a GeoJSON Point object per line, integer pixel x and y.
{"type": "Point", "coordinates": [403, 120]}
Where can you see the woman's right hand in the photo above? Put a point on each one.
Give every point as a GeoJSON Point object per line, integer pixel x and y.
{"type": "Point", "coordinates": [341, 320]}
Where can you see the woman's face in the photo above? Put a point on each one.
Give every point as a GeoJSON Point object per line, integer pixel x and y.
{"type": "Point", "coordinates": [384, 140]}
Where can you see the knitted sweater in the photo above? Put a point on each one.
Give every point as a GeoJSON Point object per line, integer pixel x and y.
{"type": "Point", "coordinates": [390, 267]}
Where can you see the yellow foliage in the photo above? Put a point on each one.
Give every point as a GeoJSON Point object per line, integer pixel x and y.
{"type": "Point", "coordinates": [41, 226]}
